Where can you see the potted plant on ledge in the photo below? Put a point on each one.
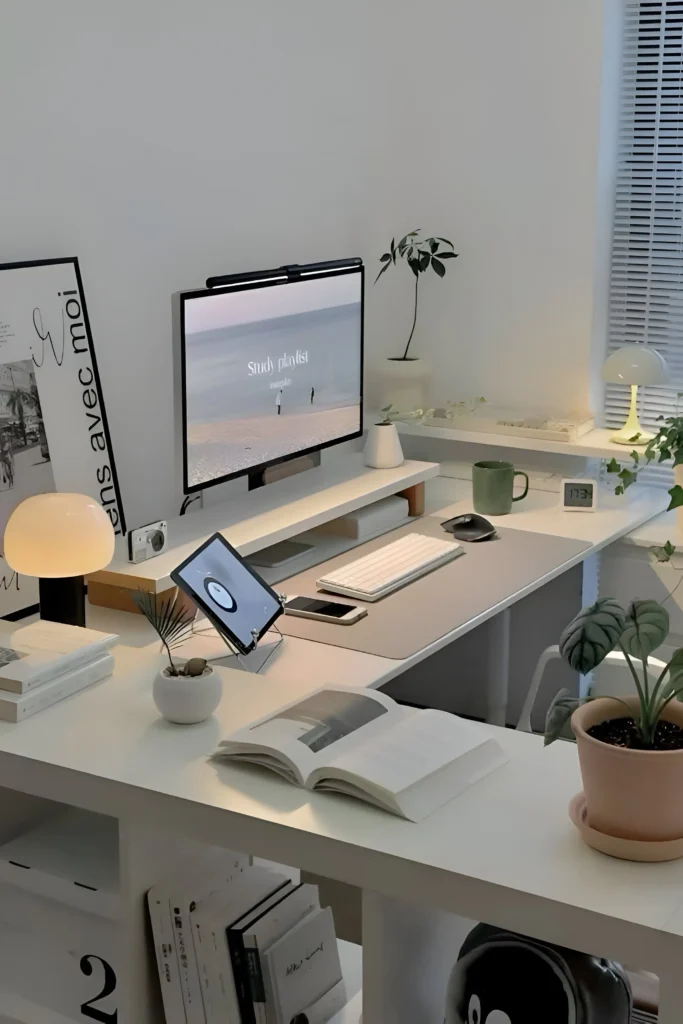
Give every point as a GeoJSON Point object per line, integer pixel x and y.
{"type": "Point", "coordinates": [184, 694]}
{"type": "Point", "coordinates": [630, 748]}
{"type": "Point", "coordinates": [404, 377]}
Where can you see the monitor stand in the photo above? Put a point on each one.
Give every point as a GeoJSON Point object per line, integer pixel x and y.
{"type": "Point", "coordinates": [290, 467]}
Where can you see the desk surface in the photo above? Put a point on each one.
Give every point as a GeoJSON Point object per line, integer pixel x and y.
{"type": "Point", "coordinates": [486, 854]}
{"type": "Point", "coordinates": [108, 751]}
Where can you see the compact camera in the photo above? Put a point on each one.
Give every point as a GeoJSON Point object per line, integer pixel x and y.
{"type": "Point", "coordinates": [147, 541]}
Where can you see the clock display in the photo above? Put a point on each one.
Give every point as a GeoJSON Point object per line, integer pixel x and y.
{"type": "Point", "coordinates": [578, 495]}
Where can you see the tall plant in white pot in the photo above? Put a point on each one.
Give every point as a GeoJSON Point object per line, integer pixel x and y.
{"type": "Point", "coordinates": [403, 378]}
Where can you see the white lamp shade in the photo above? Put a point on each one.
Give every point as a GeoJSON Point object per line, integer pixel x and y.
{"type": "Point", "coordinates": [635, 364]}
{"type": "Point", "coordinates": [57, 535]}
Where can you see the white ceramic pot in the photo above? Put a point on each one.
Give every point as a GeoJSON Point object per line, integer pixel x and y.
{"type": "Point", "coordinates": [187, 699]}
{"type": "Point", "coordinates": [678, 479]}
{"type": "Point", "coordinates": [383, 447]}
{"type": "Point", "coordinates": [402, 383]}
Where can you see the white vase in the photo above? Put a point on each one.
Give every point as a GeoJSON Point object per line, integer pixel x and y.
{"type": "Point", "coordinates": [678, 479]}
{"type": "Point", "coordinates": [383, 447]}
{"type": "Point", "coordinates": [187, 699]}
{"type": "Point", "coordinates": [403, 384]}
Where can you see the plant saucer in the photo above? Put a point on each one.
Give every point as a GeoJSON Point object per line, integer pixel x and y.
{"type": "Point", "coordinates": [624, 849]}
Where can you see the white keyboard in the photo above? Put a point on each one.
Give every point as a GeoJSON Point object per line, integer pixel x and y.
{"type": "Point", "coordinates": [375, 575]}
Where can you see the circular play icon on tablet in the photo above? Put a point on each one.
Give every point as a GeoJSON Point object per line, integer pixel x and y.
{"type": "Point", "coordinates": [219, 594]}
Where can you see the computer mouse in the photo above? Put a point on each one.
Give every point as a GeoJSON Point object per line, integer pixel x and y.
{"type": "Point", "coordinates": [470, 527]}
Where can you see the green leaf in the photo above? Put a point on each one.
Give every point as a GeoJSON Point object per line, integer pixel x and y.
{"type": "Point", "coordinates": [438, 266]}
{"type": "Point", "coordinates": [678, 458]}
{"type": "Point", "coordinates": [592, 634]}
{"type": "Point", "coordinates": [646, 628]}
{"type": "Point", "coordinates": [414, 265]}
{"type": "Point", "coordinates": [635, 456]}
{"type": "Point", "coordinates": [448, 255]}
{"type": "Point", "coordinates": [675, 674]}
{"type": "Point", "coordinates": [613, 466]}
{"type": "Point", "coordinates": [385, 258]}
{"type": "Point", "coordinates": [385, 267]}
{"type": "Point", "coordinates": [664, 553]}
{"type": "Point", "coordinates": [446, 241]}
{"type": "Point", "coordinates": [424, 261]}
{"type": "Point", "coordinates": [560, 711]}
{"type": "Point", "coordinates": [676, 494]}
{"type": "Point", "coordinates": [433, 244]}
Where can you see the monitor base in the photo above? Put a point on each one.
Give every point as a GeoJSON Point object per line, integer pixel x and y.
{"type": "Point", "coordinates": [290, 467]}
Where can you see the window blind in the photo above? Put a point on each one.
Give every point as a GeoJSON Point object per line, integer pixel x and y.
{"type": "Point", "coordinates": [646, 282]}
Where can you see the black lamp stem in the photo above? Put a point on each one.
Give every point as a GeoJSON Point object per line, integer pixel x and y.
{"type": "Point", "coordinates": [63, 600]}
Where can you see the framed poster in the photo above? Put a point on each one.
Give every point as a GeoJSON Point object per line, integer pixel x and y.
{"type": "Point", "coordinates": [53, 425]}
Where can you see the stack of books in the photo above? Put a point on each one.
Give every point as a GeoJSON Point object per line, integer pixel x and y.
{"type": "Point", "coordinates": [44, 662]}
{"type": "Point", "coordinates": [239, 944]}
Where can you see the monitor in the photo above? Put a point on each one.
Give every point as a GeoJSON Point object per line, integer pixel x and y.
{"type": "Point", "coordinates": [271, 369]}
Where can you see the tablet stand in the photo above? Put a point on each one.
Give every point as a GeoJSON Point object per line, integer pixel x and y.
{"type": "Point", "coordinates": [207, 641]}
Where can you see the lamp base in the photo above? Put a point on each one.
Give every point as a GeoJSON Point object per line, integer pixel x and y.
{"type": "Point", "coordinates": [632, 433]}
{"type": "Point", "coordinates": [63, 600]}
{"type": "Point", "coordinates": [627, 437]}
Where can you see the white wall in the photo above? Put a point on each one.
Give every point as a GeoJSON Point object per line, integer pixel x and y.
{"type": "Point", "coordinates": [163, 141]}
{"type": "Point", "coordinates": [498, 131]}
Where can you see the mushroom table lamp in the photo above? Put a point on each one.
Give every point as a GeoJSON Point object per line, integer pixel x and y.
{"type": "Point", "coordinates": [59, 538]}
{"type": "Point", "coordinates": [634, 365]}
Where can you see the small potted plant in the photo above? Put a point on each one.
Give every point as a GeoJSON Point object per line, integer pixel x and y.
{"type": "Point", "coordinates": [383, 446]}
{"type": "Point", "coordinates": [666, 445]}
{"type": "Point", "coordinates": [404, 377]}
{"type": "Point", "coordinates": [187, 693]}
{"type": "Point", "coordinates": [630, 748]}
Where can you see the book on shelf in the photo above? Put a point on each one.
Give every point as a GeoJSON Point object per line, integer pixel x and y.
{"type": "Point", "coordinates": [303, 968]}
{"type": "Point", "coordinates": [14, 707]}
{"type": "Point", "coordinates": [254, 933]}
{"type": "Point", "coordinates": [170, 904]}
{"type": "Point", "coordinates": [363, 744]}
{"type": "Point", "coordinates": [211, 920]}
{"type": "Point", "coordinates": [36, 654]}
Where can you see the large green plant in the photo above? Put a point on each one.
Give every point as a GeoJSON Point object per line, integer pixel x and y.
{"type": "Point", "coordinates": [667, 444]}
{"type": "Point", "coordinates": [637, 632]}
{"type": "Point", "coordinates": [420, 255]}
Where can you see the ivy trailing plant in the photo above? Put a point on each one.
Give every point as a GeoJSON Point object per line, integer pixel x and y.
{"type": "Point", "coordinates": [596, 631]}
{"type": "Point", "coordinates": [420, 254]}
{"type": "Point", "coordinates": [667, 444]}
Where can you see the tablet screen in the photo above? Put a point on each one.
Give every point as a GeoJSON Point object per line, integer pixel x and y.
{"type": "Point", "coordinates": [232, 595]}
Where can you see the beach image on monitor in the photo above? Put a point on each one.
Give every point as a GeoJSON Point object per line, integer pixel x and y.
{"type": "Point", "coordinates": [270, 372]}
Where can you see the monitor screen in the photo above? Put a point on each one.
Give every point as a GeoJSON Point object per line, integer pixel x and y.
{"type": "Point", "coordinates": [269, 372]}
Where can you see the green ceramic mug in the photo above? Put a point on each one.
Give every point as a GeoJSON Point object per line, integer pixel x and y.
{"type": "Point", "coordinates": [492, 484]}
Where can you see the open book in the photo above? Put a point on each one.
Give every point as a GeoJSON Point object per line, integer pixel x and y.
{"type": "Point", "coordinates": [364, 744]}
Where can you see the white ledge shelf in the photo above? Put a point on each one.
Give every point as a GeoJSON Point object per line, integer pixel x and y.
{"type": "Point", "coordinates": [595, 444]}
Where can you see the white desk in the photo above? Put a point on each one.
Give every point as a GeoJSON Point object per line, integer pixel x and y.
{"type": "Point", "coordinates": [504, 852]}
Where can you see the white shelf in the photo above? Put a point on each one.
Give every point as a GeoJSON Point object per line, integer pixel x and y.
{"type": "Point", "coordinates": [595, 444]}
{"type": "Point", "coordinates": [282, 510]}
{"type": "Point", "coordinates": [351, 956]}
{"type": "Point", "coordinates": [15, 1010]}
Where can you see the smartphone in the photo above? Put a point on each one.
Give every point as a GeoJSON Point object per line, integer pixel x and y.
{"type": "Point", "coordinates": [324, 611]}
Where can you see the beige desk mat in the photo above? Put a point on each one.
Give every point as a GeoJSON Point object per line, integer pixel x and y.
{"type": "Point", "coordinates": [421, 613]}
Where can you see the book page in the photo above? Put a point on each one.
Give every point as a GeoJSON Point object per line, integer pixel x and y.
{"type": "Point", "coordinates": [412, 750]}
{"type": "Point", "coordinates": [317, 730]}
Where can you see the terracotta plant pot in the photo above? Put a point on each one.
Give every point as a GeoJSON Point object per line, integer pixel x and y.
{"type": "Point", "coordinates": [630, 794]}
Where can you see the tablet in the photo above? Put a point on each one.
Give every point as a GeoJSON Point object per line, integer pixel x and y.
{"type": "Point", "coordinates": [233, 597]}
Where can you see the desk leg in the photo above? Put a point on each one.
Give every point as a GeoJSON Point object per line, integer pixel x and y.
{"type": "Point", "coordinates": [498, 669]}
{"type": "Point", "coordinates": [670, 996]}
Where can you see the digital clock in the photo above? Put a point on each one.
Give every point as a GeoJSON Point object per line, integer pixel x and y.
{"type": "Point", "coordinates": [579, 495]}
